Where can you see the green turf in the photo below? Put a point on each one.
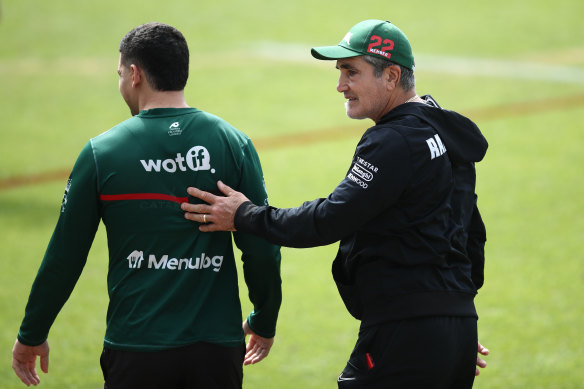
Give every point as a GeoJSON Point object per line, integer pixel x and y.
{"type": "Point", "coordinates": [251, 65]}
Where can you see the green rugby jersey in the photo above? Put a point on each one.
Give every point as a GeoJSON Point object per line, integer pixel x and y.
{"type": "Point", "coordinates": [169, 284]}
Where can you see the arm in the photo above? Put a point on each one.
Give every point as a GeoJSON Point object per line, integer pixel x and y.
{"type": "Point", "coordinates": [65, 256]}
{"type": "Point", "coordinates": [261, 267]}
{"type": "Point", "coordinates": [323, 221]}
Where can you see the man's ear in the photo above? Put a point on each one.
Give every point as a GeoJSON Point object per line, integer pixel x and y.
{"type": "Point", "coordinates": [137, 75]}
{"type": "Point", "coordinates": [392, 75]}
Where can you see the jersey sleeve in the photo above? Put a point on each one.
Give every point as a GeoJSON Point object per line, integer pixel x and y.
{"type": "Point", "coordinates": [67, 252]}
{"type": "Point", "coordinates": [378, 176]}
{"type": "Point", "coordinates": [261, 259]}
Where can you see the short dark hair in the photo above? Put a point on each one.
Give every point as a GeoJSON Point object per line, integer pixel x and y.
{"type": "Point", "coordinates": [407, 80]}
{"type": "Point", "coordinates": [161, 51]}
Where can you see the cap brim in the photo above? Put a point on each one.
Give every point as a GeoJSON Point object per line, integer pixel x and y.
{"type": "Point", "coordinates": [333, 52]}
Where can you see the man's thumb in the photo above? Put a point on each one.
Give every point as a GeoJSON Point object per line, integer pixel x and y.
{"type": "Point", "coordinates": [45, 363]}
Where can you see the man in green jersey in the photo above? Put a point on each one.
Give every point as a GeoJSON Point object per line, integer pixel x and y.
{"type": "Point", "coordinates": [174, 318]}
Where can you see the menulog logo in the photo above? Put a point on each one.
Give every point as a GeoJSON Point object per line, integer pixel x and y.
{"type": "Point", "coordinates": [164, 262]}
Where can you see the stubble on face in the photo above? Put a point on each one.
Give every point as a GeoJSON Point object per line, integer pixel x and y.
{"type": "Point", "coordinates": [366, 95]}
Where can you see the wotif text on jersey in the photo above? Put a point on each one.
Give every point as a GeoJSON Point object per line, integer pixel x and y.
{"type": "Point", "coordinates": [197, 158]}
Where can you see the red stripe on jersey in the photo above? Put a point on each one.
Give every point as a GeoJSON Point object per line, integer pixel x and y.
{"type": "Point", "coordinates": [144, 196]}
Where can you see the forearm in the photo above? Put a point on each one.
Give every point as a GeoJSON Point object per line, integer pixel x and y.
{"type": "Point", "coordinates": [292, 227]}
{"type": "Point", "coordinates": [51, 289]}
{"type": "Point", "coordinates": [261, 271]}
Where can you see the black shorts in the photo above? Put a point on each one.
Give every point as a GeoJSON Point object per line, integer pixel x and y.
{"type": "Point", "coordinates": [199, 365]}
{"type": "Point", "coordinates": [430, 352]}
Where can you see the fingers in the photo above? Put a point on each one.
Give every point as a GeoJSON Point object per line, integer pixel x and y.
{"type": "Point", "coordinates": [258, 347]}
{"type": "Point", "coordinates": [24, 361]}
{"type": "Point", "coordinates": [482, 349]}
{"type": "Point", "coordinates": [196, 208]}
{"type": "Point", "coordinates": [219, 214]}
{"type": "Point", "coordinates": [225, 189]}
{"type": "Point", "coordinates": [255, 356]}
{"type": "Point", "coordinates": [201, 194]}
{"type": "Point", "coordinates": [206, 220]}
{"type": "Point", "coordinates": [195, 212]}
{"type": "Point", "coordinates": [256, 352]}
{"type": "Point", "coordinates": [26, 372]}
{"type": "Point", "coordinates": [480, 362]}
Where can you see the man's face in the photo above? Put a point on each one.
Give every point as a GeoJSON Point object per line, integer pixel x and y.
{"type": "Point", "coordinates": [126, 89]}
{"type": "Point", "coordinates": [367, 96]}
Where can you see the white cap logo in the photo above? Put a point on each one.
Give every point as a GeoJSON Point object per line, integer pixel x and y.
{"type": "Point", "coordinates": [347, 38]}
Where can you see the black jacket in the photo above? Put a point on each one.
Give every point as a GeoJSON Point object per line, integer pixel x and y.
{"type": "Point", "coordinates": [411, 236]}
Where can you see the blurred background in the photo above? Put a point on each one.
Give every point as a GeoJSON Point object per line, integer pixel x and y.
{"type": "Point", "coordinates": [515, 67]}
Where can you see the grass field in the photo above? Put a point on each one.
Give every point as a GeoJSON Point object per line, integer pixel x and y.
{"type": "Point", "coordinates": [515, 67]}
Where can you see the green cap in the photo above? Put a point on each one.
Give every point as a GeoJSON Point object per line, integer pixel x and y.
{"type": "Point", "coordinates": [377, 38]}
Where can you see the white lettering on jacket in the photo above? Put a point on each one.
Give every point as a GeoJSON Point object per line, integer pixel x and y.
{"type": "Point", "coordinates": [362, 172]}
{"type": "Point", "coordinates": [436, 146]}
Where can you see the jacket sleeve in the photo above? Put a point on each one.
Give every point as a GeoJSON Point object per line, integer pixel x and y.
{"type": "Point", "coordinates": [378, 175]}
{"type": "Point", "coordinates": [67, 252]}
{"type": "Point", "coordinates": [477, 236]}
{"type": "Point", "coordinates": [261, 259]}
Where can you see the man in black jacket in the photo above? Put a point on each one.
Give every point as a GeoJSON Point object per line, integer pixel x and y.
{"type": "Point", "coordinates": [411, 251]}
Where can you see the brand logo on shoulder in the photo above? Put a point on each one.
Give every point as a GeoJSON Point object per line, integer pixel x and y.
{"type": "Point", "coordinates": [165, 262]}
{"type": "Point", "coordinates": [362, 173]}
{"type": "Point", "coordinates": [436, 146]}
{"type": "Point", "coordinates": [174, 129]}
{"type": "Point", "coordinates": [197, 158]}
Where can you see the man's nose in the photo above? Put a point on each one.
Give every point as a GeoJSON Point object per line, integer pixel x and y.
{"type": "Point", "coordinates": [342, 85]}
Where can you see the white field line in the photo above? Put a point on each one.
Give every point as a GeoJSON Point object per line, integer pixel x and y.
{"type": "Point", "coordinates": [517, 70]}
{"type": "Point", "coordinates": [300, 53]}
{"type": "Point", "coordinates": [441, 64]}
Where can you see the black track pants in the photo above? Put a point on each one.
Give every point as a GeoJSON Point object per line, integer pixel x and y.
{"type": "Point", "coordinates": [200, 365]}
{"type": "Point", "coordinates": [430, 352]}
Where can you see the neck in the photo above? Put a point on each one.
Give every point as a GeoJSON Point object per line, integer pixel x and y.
{"type": "Point", "coordinates": [398, 98]}
{"type": "Point", "coordinates": [163, 99]}
{"type": "Point", "coordinates": [414, 98]}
